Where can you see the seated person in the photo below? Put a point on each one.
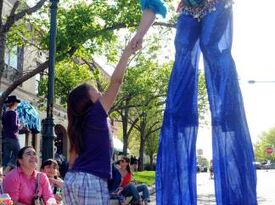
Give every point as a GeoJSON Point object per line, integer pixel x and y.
{"type": "Point", "coordinates": [51, 169]}
{"type": "Point", "coordinates": [24, 184]}
{"type": "Point", "coordinates": [128, 188]}
{"type": "Point", "coordinates": [62, 164]}
{"type": "Point", "coordinates": [113, 186]}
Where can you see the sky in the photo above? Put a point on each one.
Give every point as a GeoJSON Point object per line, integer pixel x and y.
{"type": "Point", "coordinates": [253, 52]}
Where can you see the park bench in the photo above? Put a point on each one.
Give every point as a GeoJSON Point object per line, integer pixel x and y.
{"type": "Point", "coordinates": [128, 199]}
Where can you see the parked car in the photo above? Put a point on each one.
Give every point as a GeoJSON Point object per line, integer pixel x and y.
{"type": "Point", "coordinates": [198, 168]}
{"type": "Point", "coordinates": [258, 165]}
{"type": "Point", "coordinates": [269, 166]}
{"type": "Point", "coordinates": [266, 166]}
{"type": "Point", "coordinates": [201, 168]}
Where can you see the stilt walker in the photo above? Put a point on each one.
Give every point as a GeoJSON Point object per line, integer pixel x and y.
{"type": "Point", "coordinates": [202, 26]}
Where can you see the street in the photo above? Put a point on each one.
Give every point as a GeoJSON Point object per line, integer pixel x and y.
{"type": "Point", "coordinates": [206, 193]}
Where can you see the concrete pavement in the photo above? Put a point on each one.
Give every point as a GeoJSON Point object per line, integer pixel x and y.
{"type": "Point", "coordinates": [206, 191]}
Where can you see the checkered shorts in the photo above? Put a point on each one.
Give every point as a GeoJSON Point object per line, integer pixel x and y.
{"type": "Point", "coordinates": [85, 189]}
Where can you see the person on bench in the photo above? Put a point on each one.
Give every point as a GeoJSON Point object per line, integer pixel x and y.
{"type": "Point", "coordinates": [131, 189]}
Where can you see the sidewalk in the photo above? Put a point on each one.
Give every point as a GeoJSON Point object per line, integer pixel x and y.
{"type": "Point", "coordinates": [206, 191]}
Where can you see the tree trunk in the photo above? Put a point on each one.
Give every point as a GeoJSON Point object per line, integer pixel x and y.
{"type": "Point", "coordinates": [2, 53]}
{"type": "Point", "coordinates": [125, 136]}
{"type": "Point", "coordinates": [151, 162]}
{"type": "Point", "coordinates": [141, 154]}
{"type": "Point", "coordinates": [125, 128]}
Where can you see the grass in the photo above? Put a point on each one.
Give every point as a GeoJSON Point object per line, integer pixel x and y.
{"type": "Point", "coordinates": [145, 177]}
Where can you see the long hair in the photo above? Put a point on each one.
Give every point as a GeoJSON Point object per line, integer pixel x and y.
{"type": "Point", "coordinates": [128, 168]}
{"type": "Point", "coordinates": [78, 102]}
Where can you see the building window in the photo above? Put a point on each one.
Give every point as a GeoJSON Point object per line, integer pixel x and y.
{"type": "Point", "coordinates": [11, 58]}
{"type": "Point", "coordinates": [14, 59]}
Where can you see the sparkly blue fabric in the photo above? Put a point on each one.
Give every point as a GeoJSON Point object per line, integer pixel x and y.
{"type": "Point", "coordinates": [28, 115]}
{"type": "Point", "coordinates": [193, 3]}
{"type": "Point", "coordinates": [235, 175]}
{"type": "Point", "coordinates": [158, 6]}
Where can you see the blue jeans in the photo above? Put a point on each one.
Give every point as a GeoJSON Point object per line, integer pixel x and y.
{"type": "Point", "coordinates": [133, 190]}
{"type": "Point", "coordinates": [10, 149]}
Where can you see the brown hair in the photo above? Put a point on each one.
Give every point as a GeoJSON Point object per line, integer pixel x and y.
{"type": "Point", "coordinates": [21, 153]}
{"type": "Point", "coordinates": [128, 168]}
{"type": "Point", "coordinates": [49, 162]}
{"type": "Point", "coordinates": [11, 104]}
{"type": "Point", "coordinates": [77, 104]}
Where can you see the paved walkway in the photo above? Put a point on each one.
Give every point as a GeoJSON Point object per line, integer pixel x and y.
{"type": "Point", "coordinates": [206, 193]}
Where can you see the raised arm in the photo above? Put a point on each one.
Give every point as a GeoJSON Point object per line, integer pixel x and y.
{"type": "Point", "coordinates": [108, 98]}
{"type": "Point", "coordinates": [147, 20]}
{"type": "Point", "coordinates": [150, 9]}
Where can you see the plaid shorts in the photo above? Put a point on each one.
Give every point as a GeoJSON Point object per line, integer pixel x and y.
{"type": "Point", "coordinates": [85, 189]}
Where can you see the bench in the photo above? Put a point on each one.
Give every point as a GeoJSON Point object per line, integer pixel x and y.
{"type": "Point", "coordinates": [115, 201]}
{"type": "Point", "coordinates": [128, 199]}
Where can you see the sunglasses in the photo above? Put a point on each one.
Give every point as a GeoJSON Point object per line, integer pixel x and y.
{"type": "Point", "coordinates": [30, 153]}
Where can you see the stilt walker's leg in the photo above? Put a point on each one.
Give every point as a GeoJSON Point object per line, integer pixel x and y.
{"type": "Point", "coordinates": [176, 162]}
{"type": "Point", "coordinates": [234, 173]}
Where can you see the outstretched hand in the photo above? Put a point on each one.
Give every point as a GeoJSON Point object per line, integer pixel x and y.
{"type": "Point", "coordinates": [129, 50]}
{"type": "Point", "coordinates": [136, 42]}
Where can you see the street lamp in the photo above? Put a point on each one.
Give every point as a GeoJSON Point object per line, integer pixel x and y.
{"type": "Point", "coordinates": [260, 81]}
{"type": "Point", "coordinates": [48, 124]}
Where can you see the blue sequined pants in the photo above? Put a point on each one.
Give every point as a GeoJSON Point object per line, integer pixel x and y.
{"type": "Point", "coordinates": [235, 176]}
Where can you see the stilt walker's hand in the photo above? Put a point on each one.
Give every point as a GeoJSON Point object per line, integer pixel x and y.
{"type": "Point", "coordinates": [147, 20]}
{"type": "Point", "coordinates": [136, 42]}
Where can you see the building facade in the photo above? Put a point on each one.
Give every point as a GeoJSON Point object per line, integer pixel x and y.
{"type": "Point", "coordinates": [18, 61]}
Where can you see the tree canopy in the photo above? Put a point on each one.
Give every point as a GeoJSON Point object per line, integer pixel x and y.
{"type": "Point", "coordinates": [267, 140]}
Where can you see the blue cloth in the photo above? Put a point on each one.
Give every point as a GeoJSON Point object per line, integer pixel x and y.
{"type": "Point", "coordinates": [158, 6]}
{"type": "Point", "coordinates": [235, 175]}
{"type": "Point", "coordinates": [96, 156]}
{"type": "Point", "coordinates": [29, 116]}
{"type": "Point", "coordinates": [193, 3]}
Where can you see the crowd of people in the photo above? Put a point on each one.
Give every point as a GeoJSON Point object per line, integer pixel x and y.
{"type": "Point", "coordinates": [27, 186]}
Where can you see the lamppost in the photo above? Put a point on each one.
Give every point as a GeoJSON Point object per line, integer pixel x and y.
{"type": "Point", "coordinates": [48, 124]}
{"type": "Point", "coordinates": [261, 81]}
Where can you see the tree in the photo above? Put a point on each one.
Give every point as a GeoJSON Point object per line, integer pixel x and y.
{"type": "Point", "coordinates": [69, 74]}
{"type": "Point", "coordinates": [267, 140]}
{"type": "Point", "coordinates": [17, 14]}
{"type": "Point", "coordinates": [202, 161]}
{"type": "Point", "coordinates": [151, 80]}
{"type": "Point", "coordinates": [139, 81]}
{"type": "Point", "coordinates": [80, 26]}
{"type": "Point", "coordinates": [151, 147]}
